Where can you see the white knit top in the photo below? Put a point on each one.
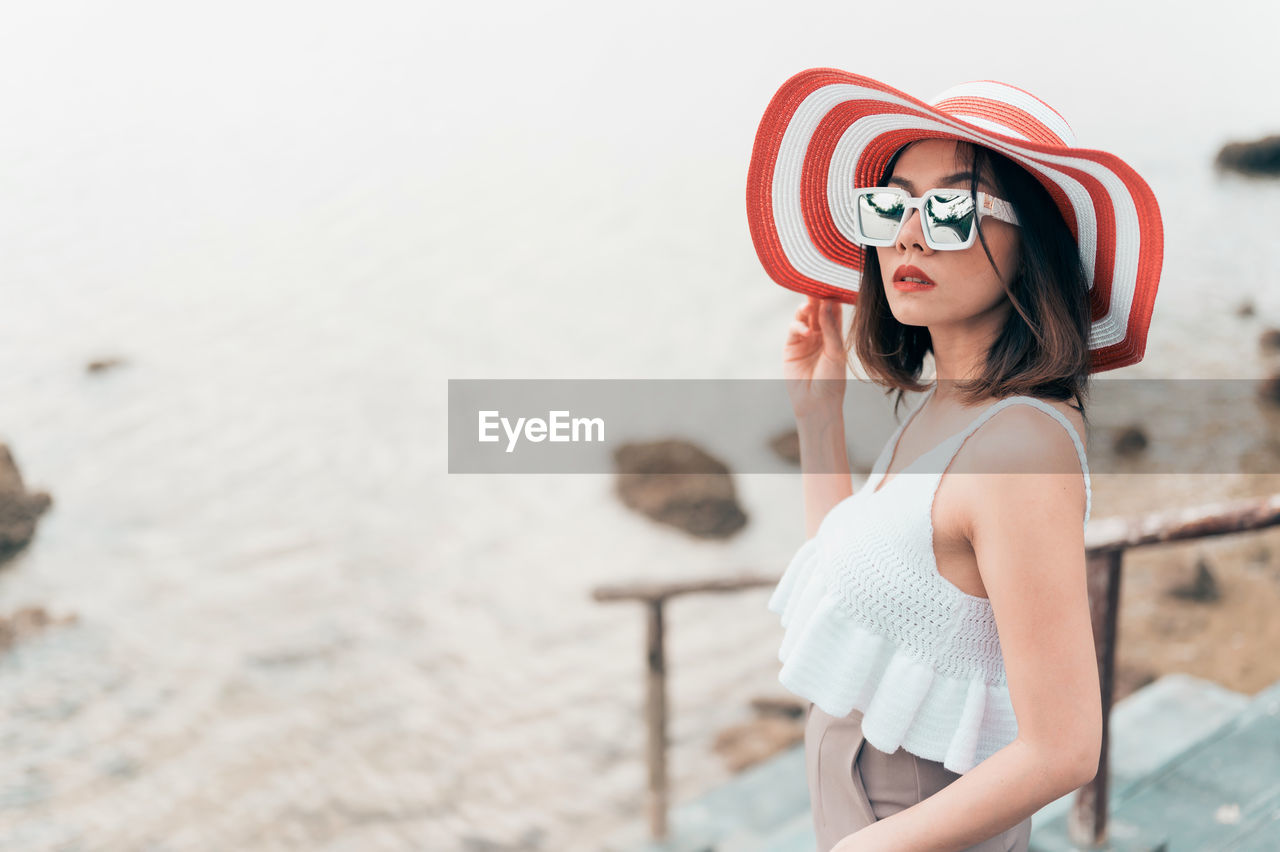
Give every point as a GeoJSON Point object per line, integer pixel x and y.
{"type": "Point", "coordinates": [871, 625]}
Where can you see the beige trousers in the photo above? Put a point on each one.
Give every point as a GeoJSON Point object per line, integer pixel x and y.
{"type": "Point", "coordinates": [853, 784]}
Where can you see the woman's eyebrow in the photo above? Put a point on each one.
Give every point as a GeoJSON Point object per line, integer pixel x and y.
{"type": "Point", "coordinates": [949, 180]}
{"type": "Point", "coordinates": [964, 177]}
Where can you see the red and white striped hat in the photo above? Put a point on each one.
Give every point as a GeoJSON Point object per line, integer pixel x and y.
{"type": "Point", "coordinates": [828, 132]}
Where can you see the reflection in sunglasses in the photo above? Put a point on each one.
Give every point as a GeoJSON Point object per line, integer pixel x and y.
{"type": "Point", "coordinates": [950, 216]}
{"type": "Point", "coordinates": [886, 204]}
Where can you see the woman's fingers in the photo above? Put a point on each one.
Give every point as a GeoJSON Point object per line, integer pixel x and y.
{"type": "Point", "coordinates": [823, 315]}
{"type": "Point", "coordinates": [830, 319]}
{"type": "Point", "coordinates": [814, 312]}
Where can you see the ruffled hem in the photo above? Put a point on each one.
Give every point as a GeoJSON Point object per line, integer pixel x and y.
{"type": "Point", "coordinates": [840, 666]}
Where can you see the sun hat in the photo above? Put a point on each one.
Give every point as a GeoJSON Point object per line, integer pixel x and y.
{"type": "Point", "coordinates": [828, 132]}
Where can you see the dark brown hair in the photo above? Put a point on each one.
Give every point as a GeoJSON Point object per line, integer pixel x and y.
{"type": "Point", "coordinates": [1043, 349]}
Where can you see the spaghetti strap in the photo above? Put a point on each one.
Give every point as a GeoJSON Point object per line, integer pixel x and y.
{"type": "Point", "coordinates": [880, 467]}
{"type": "Point", "coordinates": [1056, 415]}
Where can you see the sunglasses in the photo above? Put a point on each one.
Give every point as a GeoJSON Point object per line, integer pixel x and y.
{"type": "Point", "coordinates": [948, 217]}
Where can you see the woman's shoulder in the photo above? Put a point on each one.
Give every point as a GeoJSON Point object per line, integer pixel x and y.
{"type": "Point", "coordinates": [1068, 410]}
{"type": "Point", "coordinates": [1025, 437]}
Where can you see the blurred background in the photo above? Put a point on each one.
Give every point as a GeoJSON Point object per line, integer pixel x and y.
{"type": "Point", "coordinates": [245, 245]}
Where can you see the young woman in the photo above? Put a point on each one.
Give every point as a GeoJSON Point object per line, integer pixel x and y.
{"type": "Point", "coordinates": [938, 619]}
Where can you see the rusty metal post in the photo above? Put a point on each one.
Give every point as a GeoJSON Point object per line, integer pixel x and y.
{"type": "Point", "coordinates": [1087, 822]}
{"type": "Point", "coordinates": [656, 719]}
{"type": "Point", "coordinates": [1105, 543]}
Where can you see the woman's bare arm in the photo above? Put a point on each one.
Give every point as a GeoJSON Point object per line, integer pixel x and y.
{"type": "Point", "coordinates": [824, 465]}
{"type": "Point", "coordinates": [815, 363]}
{"type": "Point", "coordinates": [1027, 534]}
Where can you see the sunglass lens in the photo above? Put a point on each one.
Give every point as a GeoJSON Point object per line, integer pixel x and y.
{"type": "Point", "coordinates": [949, 217]}
{"type": "Point", "coordinates": [879, 214]}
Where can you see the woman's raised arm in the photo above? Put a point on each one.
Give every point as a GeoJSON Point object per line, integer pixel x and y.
{"type": "Point", "coordinates": [815, 365]}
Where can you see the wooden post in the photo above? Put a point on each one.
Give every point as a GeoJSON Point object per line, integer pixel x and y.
{"type": "Point", "coordinates": [1087, 822]}
{"type": "Point", "coordinates": [656, 717]}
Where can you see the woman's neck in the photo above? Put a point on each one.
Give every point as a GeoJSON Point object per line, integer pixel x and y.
{"type": "Point", "coordinates": [959, 355]}
{"type": "Point", "coordinates": [960, 350]}
{"type": "Point", "coordinates": [953, 367]}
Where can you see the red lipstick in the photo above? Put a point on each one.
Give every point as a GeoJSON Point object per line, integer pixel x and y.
{"type": "Point", "coordinates": [908, 278]}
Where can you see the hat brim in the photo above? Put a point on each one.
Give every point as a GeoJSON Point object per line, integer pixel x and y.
{"type": "Point", "coordinates": [827, 132]}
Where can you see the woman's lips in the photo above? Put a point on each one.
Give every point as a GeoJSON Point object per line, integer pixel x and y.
{"type": "Point", "coordinates": [908, 286]}
{"type": "Point", "coordinates": [909, 278]}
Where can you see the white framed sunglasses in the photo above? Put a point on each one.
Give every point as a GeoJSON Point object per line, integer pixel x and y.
{"type": "Point", "coordinates": [948, 217]}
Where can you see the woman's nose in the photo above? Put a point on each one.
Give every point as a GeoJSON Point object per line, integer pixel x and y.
{"type": "Point", "coordinates": [911, 234]}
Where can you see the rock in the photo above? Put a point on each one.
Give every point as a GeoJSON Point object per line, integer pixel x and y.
{"type": "Point", "coordinates": [1260, 157]}
{"type": "Point", "coordinates": [26, 623]}
{"type": "Point", "coordinates": [785, 706]}
{"type": "Point", "coordinates": [19, 509]}
{"type": "Point", "coordinates": [101, 364]}
{"type": "Point", "coordinates": [749, 743]}
{"type": "Point", "coordinates": [1269, 340]}
{"type": "Point", "coordinates": [1130, 440]}
{"type": "Point", "coordinates": [1245, 308]}
{"type": "Point", "coordinates": [1202, 589]}
{"type": "Point", "coordinates": [1269, 389]}
{"type": "Point", "coordinates": [677, 483]}
{"type": "Point", "coordinates": [786, 445]}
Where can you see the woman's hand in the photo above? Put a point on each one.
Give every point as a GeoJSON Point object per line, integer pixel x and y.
{"type": "Point", "coordinates": [814, 361]}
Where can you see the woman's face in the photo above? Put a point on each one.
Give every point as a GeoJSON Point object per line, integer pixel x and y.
{"type": "Point", "coordinates": [967, 290]}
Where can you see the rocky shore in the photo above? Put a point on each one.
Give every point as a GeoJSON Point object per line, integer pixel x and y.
{"type": "Point", "coordinates": [20, 509]}
{"type": "Point", "coordinates": [1258, 157]}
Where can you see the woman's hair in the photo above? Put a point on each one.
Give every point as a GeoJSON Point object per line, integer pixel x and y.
{"type": "Point", "coordinates": [1043, 349]}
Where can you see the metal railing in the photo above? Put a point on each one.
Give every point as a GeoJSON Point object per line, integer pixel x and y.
{"type": "Point", "coordinates": [1106, 542]}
